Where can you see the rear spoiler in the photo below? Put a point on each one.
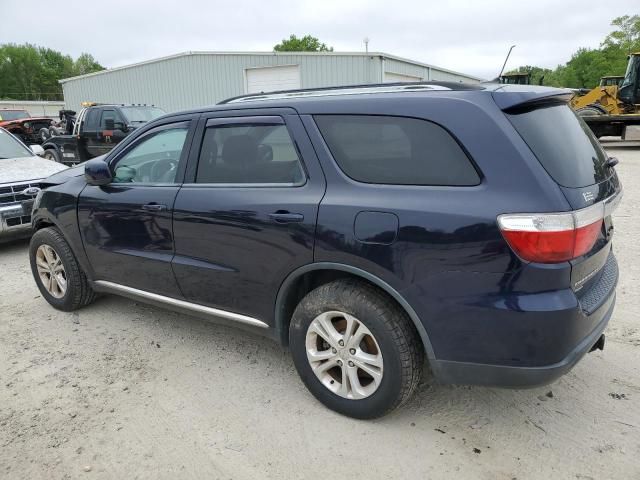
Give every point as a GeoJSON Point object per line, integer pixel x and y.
{"type": "Point", "coordinates": [530, 96]}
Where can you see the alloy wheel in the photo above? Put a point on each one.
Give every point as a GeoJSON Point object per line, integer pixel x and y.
{"type": "Point", "coordinates": [51, 271]}
{"type": "Point", "coordinates": [344, 355]}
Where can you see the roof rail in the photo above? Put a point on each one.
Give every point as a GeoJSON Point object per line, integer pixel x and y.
{"type": "Point", "coordinates": [352, 90]}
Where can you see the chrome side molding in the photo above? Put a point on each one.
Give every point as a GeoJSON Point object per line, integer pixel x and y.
{"type": "Point", "coordinates": [144, 296]}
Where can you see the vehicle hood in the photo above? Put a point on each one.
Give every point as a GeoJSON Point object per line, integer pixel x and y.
{"type": "Point", "coordinates": [14, 170]}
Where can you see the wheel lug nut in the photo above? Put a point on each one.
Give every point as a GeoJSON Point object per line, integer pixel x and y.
{"type": "Point", "coordinates": [340, 362]}
{"type": "Point", "coordinates": [351, 364]}
{"type": "Point", "coordinates": [341, 343]}
{"type": "Point", "coordinates": [333, 350]}
{"type": "Point", "coordinates": [352, 351]}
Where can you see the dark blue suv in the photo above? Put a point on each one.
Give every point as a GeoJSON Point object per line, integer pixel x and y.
{"type": "Point", "coordinates": [374, 230]}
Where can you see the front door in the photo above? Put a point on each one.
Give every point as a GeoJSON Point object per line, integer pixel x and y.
{"type": "Point", "coordinates": [126, 226]}
{"type": "Point", "coordinates": [246, 216]}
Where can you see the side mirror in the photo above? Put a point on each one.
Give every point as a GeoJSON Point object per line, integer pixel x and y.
{"type": "Point", "coordinates": [97, 173]}
{"type": "Point", "coordinates": [37, 150]}
{"type": "Point", "coordinates": [119, 126]}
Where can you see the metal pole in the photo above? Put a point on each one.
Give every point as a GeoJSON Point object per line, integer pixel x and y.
{"type": "Point", "coordinates": [505, 61]}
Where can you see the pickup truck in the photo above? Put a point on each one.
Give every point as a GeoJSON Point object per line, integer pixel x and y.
{"type": "Point", "coordinates": [96, 130]}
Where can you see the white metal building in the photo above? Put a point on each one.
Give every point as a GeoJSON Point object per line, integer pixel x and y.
{"type": "Point", "coordinates": [36, 108]}
{"type": "Point", "coordinates": [193, 79]}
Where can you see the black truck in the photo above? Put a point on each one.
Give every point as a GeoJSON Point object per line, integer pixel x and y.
{"type": "Point", "coordinates": [95, 130]}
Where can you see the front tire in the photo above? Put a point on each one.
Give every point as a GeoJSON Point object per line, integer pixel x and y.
{"type": "Point", "coordinates": [355, 349]}
{"type": "Point", "coordinates": [57, 273]}
{"type": "Point", "coordinates": [51, 154]}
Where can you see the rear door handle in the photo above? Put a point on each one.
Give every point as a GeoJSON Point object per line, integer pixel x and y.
{"type": "Point", "coordinates": [282, 216]}
{"type": "Point", "coordinates": [154, 207]}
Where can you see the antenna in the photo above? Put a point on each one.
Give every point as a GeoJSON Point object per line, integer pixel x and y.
{"type": "Point", "coordinates": [366, 44]}
{"type": "Point", "coordinates": [505, 61]}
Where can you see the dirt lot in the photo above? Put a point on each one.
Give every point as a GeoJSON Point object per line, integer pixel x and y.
{"type": "Point", "coordinates": [123, 390]}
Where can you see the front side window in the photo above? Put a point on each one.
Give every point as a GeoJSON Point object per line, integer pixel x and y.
{"type": "Point", "coordinates": [249, 154]}
{"type": "Point", "coordinates": [154, 159]}
{"type": "Point", "coordinates": [109, 115]}
{"type": "Point", "coordinates": [396, 150]}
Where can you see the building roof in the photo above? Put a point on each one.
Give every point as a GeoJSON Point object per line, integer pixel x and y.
{"type": "Point", "coordinates": [346, 54]}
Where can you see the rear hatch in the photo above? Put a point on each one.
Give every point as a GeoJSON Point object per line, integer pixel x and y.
{"type": "Point", "coordinates": [572, 156]}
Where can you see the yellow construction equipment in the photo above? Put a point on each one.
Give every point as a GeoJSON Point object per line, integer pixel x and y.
{"type": "Point", "coordinates": [614, 105]}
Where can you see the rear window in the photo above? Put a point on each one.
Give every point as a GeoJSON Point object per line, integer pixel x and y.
{"type": "Point", "coordinates": [396, 150]}
{"type": "Point", "coordinates": [563, 143]}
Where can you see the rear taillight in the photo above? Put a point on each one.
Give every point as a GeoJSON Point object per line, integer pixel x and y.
{"type": "Point", "coordinates": [555, 237]}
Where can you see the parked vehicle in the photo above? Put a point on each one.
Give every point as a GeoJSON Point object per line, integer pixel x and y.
{"type": "Point", "coordinates": [95, 130]}
{"type": "Point", "coordinates": [364, 227]}
{"type": "Point", "coordinates": [21, 124]}
{"type": "Point", "coordinates": [21, 171]}
{"type": "Point", "coordinates": [63, 126]}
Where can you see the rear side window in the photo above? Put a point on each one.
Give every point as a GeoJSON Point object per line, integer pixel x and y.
{"type": "Point", "coordinates": [563, 143]}
{"type": "Point", "coordinates": [396, 150]}
{"type": "Point", "coordinates": [249, 154]}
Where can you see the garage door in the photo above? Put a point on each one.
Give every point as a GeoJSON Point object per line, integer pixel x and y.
{"type": "Point", "coordinates": [390, 77]}
{"type": "Point", "coordinates": [270, 79]}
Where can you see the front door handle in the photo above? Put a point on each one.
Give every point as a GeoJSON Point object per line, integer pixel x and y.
{"type": "Point", "coordinates": [154, 207]}
{"type": "Point", "coordinates": [282, 216]}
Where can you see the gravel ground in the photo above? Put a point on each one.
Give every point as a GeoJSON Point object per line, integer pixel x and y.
{"type": "Point", "coordinates": [123, 390]}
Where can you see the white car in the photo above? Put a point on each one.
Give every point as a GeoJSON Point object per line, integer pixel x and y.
{"type": "Point", "coordinates": [21, 172]}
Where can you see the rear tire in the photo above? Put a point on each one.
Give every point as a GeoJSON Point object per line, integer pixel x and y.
{"type": "Point", "coordinates": [51, 154]}
{"type": "Point", "coordinates": [378, 365]}
{"type": "Point", "coordinates": [57, 273]}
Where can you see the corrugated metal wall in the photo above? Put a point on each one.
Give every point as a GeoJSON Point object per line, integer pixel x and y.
{"type": "Point", "coordinates": [204, 79]}
{"type": "Point", "coordinates": [198, 79]}
{"type": "Point", "coordinates": [424, 72]}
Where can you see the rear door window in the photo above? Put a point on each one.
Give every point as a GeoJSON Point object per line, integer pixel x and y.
{"type": "Point", "coordinates": [396, 150]}
{"type": "Point", "coordinates": [563, 143]}
{"type": "Point", "coordinates": [249, 154]}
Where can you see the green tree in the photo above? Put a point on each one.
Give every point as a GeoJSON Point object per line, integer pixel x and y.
{"type": "Point", "coordinates": [627, 36]}
{"type": "Point", "coordinates": [86, 64]}
{"type": "Point", "coordinates": [28, 72]}
{"type": "Point", "coordinates": [304, 44]}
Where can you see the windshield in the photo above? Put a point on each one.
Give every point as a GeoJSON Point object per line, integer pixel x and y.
{"type": "Point", "coordinates": [10, 147]}
{"type": "Point", "coordinates": [13, 114]}
{"type": "Point", "coordinates": [141, 114]}
{"type": "Point", "coordinates": [563, 144]}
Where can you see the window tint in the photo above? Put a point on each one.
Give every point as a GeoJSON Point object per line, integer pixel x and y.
{"type": "Point", "coordinates": [249, 154]}
{"type": "Point", "coordinates": [154, 159]}
{"type": "Point", "coordinates": [91, 123]}
{"type": "Point", "coordinates": [395, 150]}
{"type": "Point", "coordinates": [107, 115]}
{"type": "Point", "coordinates": [563, 144]}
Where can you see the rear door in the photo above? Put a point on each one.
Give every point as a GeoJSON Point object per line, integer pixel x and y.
{"type": "Point", "coordinates": [246, 216]}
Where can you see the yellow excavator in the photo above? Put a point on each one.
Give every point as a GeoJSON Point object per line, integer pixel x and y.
{"type": "Point", "coordinates": [614, 105]}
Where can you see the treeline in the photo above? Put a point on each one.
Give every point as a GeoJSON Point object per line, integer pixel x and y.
{"type": "Point", "coordinates": [29, 72]}
{"type": "Point", "coordinates": [587, 65]}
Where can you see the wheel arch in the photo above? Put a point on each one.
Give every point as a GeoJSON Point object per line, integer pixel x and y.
{"type": "Point", "coordinates": [293, 288]}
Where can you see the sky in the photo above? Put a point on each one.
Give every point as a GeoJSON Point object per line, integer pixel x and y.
{"type": "Point", "coordinates": [472, 37]}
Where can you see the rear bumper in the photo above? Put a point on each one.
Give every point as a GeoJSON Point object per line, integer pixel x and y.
{"type": "Point", "coordinates": [468, 373]}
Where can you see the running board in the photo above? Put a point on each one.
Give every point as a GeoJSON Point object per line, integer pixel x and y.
{"type": "Point", "coordinates": [161, 300]}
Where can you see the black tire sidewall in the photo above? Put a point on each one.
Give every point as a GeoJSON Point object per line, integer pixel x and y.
{"type": "Point", "coordinates": [55, 157]}
{"type": "Point", "coordinates": [366, 309]}
{"type": "Point", "coordinates": [47, 237]}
